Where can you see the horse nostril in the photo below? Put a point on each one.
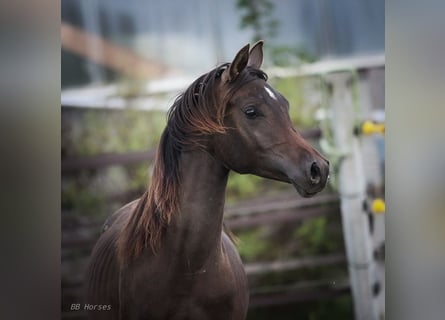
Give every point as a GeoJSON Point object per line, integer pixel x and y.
{"type": "Point", "coordinates": [315, 173]}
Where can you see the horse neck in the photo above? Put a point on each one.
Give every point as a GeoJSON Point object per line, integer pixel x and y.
{"type": "Point", "coordinates": [194, 234]}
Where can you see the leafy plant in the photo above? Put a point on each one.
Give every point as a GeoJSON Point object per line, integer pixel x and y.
{"type": "Point", "coordinates": [251, 245]}
{"type": "Point", "coordinates": [257, 15]}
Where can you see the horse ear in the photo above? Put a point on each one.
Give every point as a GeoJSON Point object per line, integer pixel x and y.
{"type": "Point", "coordinates": [238, 64]}
{"type": "Point", "coordinates": [256, 55]}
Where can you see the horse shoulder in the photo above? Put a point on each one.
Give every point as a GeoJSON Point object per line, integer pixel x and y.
{"type": "Point", "coordinates": [103, 269]}
{"type": "Point", "coordinates": [232, 254]}
{"type": "Point", "coordinates": [241, 292]}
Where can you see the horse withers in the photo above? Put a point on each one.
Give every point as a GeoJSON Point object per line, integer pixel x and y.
{"type": "Point", "coordinates": [165, 255]}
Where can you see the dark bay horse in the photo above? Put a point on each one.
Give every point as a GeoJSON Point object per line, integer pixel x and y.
{"type": "Point", "coordinates": [165, 256]}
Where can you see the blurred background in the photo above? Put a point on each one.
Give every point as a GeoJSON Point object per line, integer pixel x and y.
{"type": "Point", "coordinates": [122, 65]}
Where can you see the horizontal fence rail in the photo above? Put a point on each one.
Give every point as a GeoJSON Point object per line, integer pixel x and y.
{"type": "Point", "coordinates": [80, 233]}
{"type": "Point", "coordinates": [105, 160]}
{"type": "Point", "coordinates": [73, 164]}
{"type": "Point", "coordinates": [302, 292]}
{"type": "Point", "coordinates": [259, 268]}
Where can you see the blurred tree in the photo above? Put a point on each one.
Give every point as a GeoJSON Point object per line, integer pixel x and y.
{"type": "Point", "coordinates": [257, 14]}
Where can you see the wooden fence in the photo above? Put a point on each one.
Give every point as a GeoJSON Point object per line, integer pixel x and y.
{"type": "Point", "coordinates": [80, 233]}
{"type": "Point", "coordinates": [79, 236]}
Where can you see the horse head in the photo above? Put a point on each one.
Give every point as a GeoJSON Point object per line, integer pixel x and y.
{"type": "Point", "coordinates": [259, 137]}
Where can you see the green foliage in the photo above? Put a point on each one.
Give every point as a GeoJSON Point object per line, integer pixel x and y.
{"type": "Point", "coordinates": [338, 308]}
{"type": "Point", "coordinates": [316, 238]}
{"type": "Point", "coordinates": [139, 176]}
{"type": "Point", "coordinates": [251, 245]}
{"type": "Point", "coordinates": [114, 131]}
{"type": "Point", "coordinates": [257, 15]}
{"type": "Point", "coordinates": [129, 87]}
{"type": "Point", "coordinates": [332, 309]}
{"type": "Point", "coordinates": [312, 233]}
{"type": "Point", "coordinates": [242, 186]}
{"type": "Point", "coordinates": [294, 90]}
{"type": "Point", "coordinates": [76, 198]}
{"type": "Point", "coordinates": [93, 132]}
{"type": "Point", "coordinates": [288, 56]}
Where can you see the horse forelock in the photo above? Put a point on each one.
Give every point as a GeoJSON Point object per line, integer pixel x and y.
{"type": "Point", "coordinates": [201, 108]}
{"type": "Point", "coordinates": [196, 113]}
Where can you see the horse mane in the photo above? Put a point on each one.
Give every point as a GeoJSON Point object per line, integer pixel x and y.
{"type": "Point", "coordinates": [195, 114]}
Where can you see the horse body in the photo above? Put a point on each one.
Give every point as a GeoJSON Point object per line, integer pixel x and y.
{"type": "Point", "coordinates": [197, 275]}
{"type": "Point", "coordinates": [166, 256]}
{"type": "Point", "coordinates": [202, 275]}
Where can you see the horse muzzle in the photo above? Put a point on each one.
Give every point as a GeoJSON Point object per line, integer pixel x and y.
{"type": "Point", "coordinates": [313, 178]}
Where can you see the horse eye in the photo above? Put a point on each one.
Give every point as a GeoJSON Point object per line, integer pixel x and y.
{"type": "Point", "coordinates": [251, 112]}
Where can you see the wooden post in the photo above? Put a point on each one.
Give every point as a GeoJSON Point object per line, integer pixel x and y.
{"type": "Point", "coordinates": [371, 109]}
{"type": "Point", "coordinates": [106, 53]}
{"type": "Point", "coordinates": [352, 191]}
